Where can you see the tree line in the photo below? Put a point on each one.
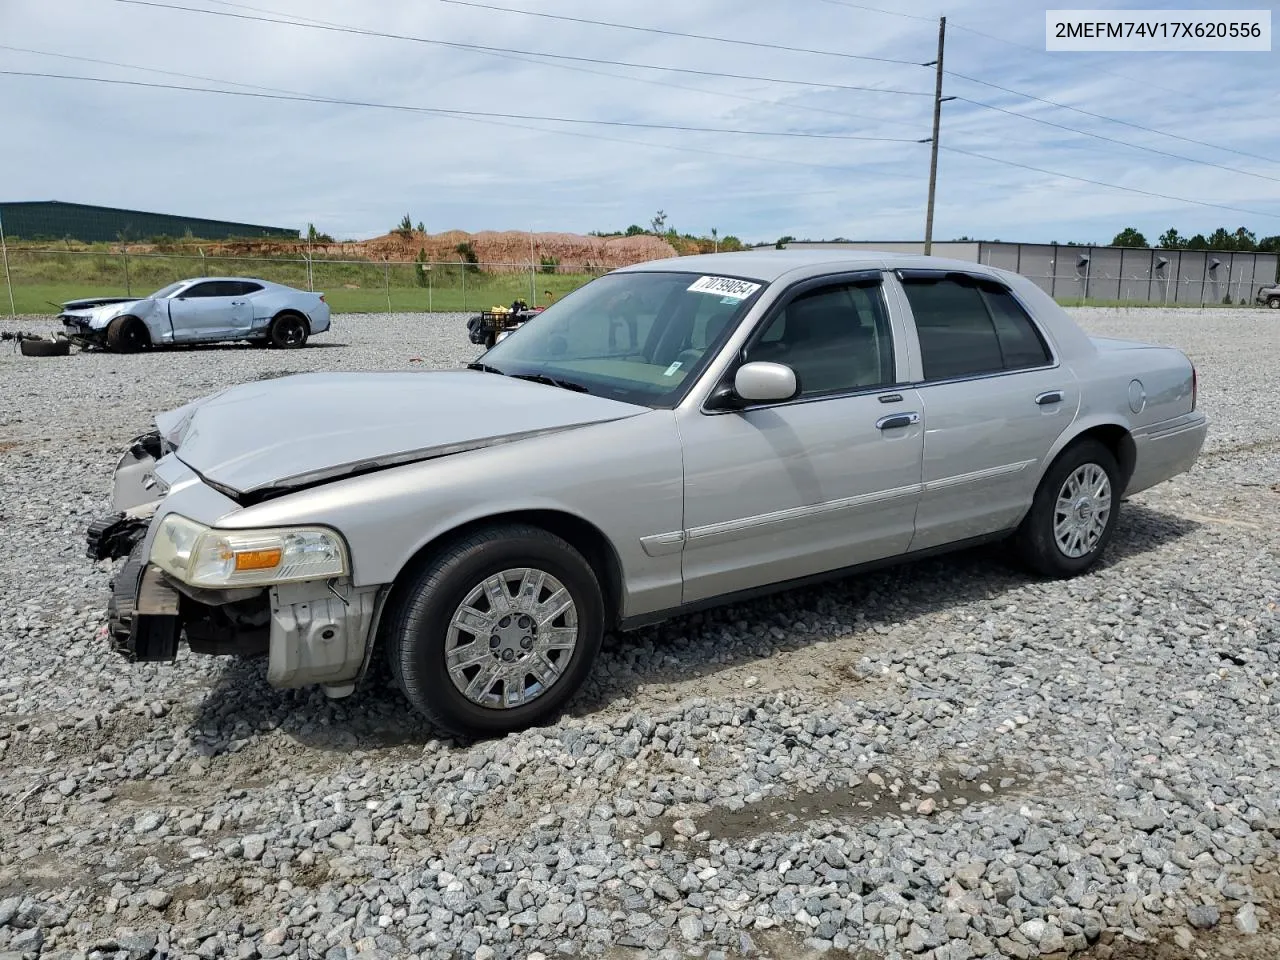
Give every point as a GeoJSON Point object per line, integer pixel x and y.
{"type": "Point", "coordinates": [1241, 239]}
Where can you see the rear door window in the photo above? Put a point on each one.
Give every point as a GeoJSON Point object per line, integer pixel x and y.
{"type": "Point", "coordinates": [969, 328]}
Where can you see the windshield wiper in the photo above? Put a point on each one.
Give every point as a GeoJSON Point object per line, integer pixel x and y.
{"type": "Point", "coordinates": [552, 381]}
{"type": "Point", "coordinates": [485, 368]}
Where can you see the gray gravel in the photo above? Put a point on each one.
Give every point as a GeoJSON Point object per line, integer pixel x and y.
{"type": "Point", "coordinates": [946, 760]}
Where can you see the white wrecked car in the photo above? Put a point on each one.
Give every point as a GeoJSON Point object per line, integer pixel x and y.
{"type": "Point", "coordinates": [203, 310]}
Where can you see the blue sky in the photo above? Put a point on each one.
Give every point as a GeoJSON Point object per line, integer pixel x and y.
{"type": "Point", "coordinates": [355, 171]}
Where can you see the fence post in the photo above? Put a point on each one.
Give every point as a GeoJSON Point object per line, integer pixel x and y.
{"type": "Point", "coordinates": [8, 282]}
{"type": "Point", "coordinates": [464, 286]}
{"type": "Point", "coordinates": [386, 270]}
{"type": "Point", "coordinates": [429, 272]}
{"type": "Point", "coordinates": [124, 256]}
{"type": "Point", "coordinates": [533, 278]}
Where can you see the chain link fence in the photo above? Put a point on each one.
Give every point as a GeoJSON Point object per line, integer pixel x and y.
{"type": "Point", "coordinates": [40, 279]}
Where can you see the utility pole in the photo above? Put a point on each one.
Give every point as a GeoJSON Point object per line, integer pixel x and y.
{"type": "Point", "coordinates": [8, 282]}
{"type": "Point", "coordinates": [933, 152]}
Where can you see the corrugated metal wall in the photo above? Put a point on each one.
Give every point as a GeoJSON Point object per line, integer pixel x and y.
{"type": "Point", "coordinates": [52, 220]}
{"type": "Point", "coordinates": [1136, 275]}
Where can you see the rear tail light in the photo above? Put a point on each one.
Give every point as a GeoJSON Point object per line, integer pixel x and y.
{"type": "Point", "coordinates": [322, 299]}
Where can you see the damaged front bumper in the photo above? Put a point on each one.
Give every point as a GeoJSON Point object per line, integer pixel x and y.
{"type": "Point", "coordinates": [312, 631]}
{"type": "Point", "coordinates": [80, 331]}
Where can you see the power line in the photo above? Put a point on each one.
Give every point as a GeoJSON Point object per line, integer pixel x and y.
{"type": "Point", "coordinates": [676, 33]}
{"type": "Point", "coordinates": [317, 24]}
{"type": "Point", "coordinates": [527, 57]}
{"type": "Point", "coordinates": [1099, 116]}
{"type": "Point", "coordinates": [450, 111]}
{"type": "Point", "coordinates": [485, 117]}
{"type": "Point", "coordinates": [1123, 143]}
{"type": "Point", "coordinates": [870, 9]}
{"type": "Point", "coordinates": [306, 97]}
{"type": "Point", "coordinates": [155, 70]}
{"type": "Point", "coordinates": [1011, 43]}
{"type": "Point", "coordinates": [332, 27]}
{"type": "Point", "coordinates": [487, 6]}
{"type": "Point", "coordinates": [1113, 186]}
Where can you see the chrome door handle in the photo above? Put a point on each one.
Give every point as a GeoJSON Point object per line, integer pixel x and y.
{"type": "Point", "coordinates": [1048, 397]}
{"type": "Point", "coordinates": [897, 420]}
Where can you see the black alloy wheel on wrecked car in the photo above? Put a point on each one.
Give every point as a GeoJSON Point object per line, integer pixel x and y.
{"type": "Point", "coordinates": [496, 631]}
{"type": "Point", "coordinates": [1074, 512]}
{"type": "Point", "coordinates": [127, 335]}
{"type": "Point", "coordinates": [288, 331]}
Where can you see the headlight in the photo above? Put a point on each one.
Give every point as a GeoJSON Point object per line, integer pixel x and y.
{"type": "Point", "coordinates": [204, 557]}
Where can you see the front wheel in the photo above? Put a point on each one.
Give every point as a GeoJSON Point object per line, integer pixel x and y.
{"type": "Point", "coordinates": [1074, 512]}
{"type": "Point", "coordinates": [288, 331]}
{"type": "Point", "coordinates": [127, 335]}
{"type": "Point", "coordinates": [1273, 303]}
{"type": "Point", "coordinates": [496, 632]}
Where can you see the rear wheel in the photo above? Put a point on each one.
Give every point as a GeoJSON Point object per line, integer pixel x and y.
{"type": "Point", "coordinates": [1273, 303]}
{"type": "Point", "coordinates": [1074, 512]}
{"type": "Point", "coordinates": [497, 631]}
{"type": "Point", "coordinates": [127, 335]}
{"type": "Point", "coordinates": [288, 331]}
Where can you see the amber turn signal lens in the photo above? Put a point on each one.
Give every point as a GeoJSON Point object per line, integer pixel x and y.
{"type": "Point", "coordinates": [258, 559]}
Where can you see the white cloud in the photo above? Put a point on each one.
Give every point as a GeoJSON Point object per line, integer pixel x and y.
{"type": "Point", "coordinates": [354, 171]}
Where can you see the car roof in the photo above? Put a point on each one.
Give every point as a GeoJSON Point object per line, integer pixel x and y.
{"type": "Point", "coordinates": [268, 283]}
{"type": "Point", "coordinates": [245, 279]}
{"type": "Point", "coordinates": [768, 265]}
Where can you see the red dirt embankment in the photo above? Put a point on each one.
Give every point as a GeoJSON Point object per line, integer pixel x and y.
{"type": "Point", "coordinates": [491, 247]}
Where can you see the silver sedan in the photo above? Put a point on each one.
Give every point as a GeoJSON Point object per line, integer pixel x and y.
{"type": "Point", "coordinates": [674, 435]}
{"type": "Point", "coordinates": [202, 310]}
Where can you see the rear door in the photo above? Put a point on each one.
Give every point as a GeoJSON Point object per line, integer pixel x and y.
{"type": "Point", "coordinates": [995, 399]}
{"type": "Point", "coordinates": [208, 311]}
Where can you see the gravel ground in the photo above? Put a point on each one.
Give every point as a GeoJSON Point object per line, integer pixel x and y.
{"type": "Point", "coordinates": [945, 760]}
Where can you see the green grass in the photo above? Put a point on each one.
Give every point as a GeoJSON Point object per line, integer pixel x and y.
{"type": "Point", "coordinates": [40, 294]}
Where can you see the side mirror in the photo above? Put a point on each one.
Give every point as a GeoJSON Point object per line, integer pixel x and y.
{"type": "Point", "coordinates": [760, 381]}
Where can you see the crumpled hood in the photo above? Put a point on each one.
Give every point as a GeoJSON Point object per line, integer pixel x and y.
{"type": "Point", "coordinates": [309, 428]}
{"type": "Point", "coordinates": [85, 302]}
{"type": "Point", "coordinates": [98, 313]}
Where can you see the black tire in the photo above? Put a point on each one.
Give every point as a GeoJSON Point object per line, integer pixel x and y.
{"type": "Point", "coordinates": [45, 348]}
{"type": "Point", "coordinates": [1273, 303]}
{"type": "Point", "coordinates": [416, 626]}
{"type": "Point", "coordinates": [1036, 540]}
{"type": "Point", "coordinates": [127, 335]}
{"type": "Point", "coordinates": [288, 331]}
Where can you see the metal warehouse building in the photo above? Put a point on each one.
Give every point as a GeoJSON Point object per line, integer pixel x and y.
{"type": "Point", "coordinates": [54, 220]}
{"type": "Point", "coordinates": [1106, 274]}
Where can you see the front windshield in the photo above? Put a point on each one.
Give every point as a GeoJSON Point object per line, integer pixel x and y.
{"type": "Point", "coordinates": [168, 291]}
{"type": "Point", "coordinates": [637, 337]}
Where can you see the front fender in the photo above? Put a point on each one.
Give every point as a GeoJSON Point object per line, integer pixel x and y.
{"type": "Point", "coordinates": [624, 478]}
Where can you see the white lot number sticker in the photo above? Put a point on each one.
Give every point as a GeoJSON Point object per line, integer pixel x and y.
{"type": "Point", "coordinates": [724, 287]}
